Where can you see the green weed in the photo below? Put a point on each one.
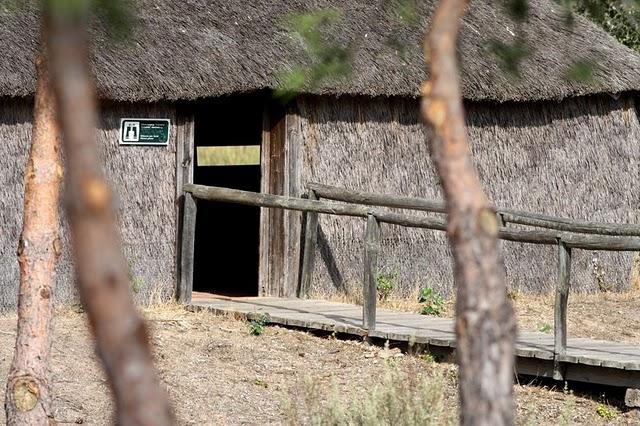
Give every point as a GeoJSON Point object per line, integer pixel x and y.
{"type": "Point", "coordinates": [432, 303]}
{"type": "Point", "coordinates": [384, 285]}
{"type": "Point", "coordinates": [429, 357]}
{"type": "Point", "coordinates": [260, 382]}
{"type": "Point", "coordinates": [606, 412]}
{"type": "Point", "coordinates": [545, 328]}
{"type": "Point", "coordinates": [257, 325]}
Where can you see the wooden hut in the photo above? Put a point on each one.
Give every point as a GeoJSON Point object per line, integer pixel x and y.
{"type": "Point", "coordinates": [542, 143]}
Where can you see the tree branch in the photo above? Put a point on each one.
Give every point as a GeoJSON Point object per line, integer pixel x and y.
{"type": "Point", "coordinates": [485, 324]}
{"type": "Point", "coordinates": [121, 335]}
{"type": "Point", "coordinates": [28, 396]}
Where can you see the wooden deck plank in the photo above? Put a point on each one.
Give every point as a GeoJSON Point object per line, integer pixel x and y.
{"type": "Point", "coordinates": [408, 327]}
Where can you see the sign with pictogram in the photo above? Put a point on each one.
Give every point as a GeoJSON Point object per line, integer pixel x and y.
{"type": "Point", "coordinates": [144, 131]}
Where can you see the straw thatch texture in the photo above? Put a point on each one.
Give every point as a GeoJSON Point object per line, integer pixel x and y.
{"type": "Point", "coordinates": [15, 130]}
{"type": "Point", "coordinates": [578, 158]}
{"type": "Point", "coordinates": [192, 49]}
{"type": "Point", "coordinates": [144, 180]}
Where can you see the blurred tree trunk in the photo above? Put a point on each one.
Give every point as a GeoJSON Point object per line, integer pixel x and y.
{"type": "Point", "coordinates": [485, 324]}
{"type": "Point", "coordinates": [28, 396]}
{"type": "Point", "coordinates": [121, 335]}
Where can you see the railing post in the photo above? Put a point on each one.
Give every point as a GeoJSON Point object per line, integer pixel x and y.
{"type": "Point", "coordinates": [189, 210]}
{"type": "Point", "coordinates": [370, 292]}
{"type": "Point", "coordinates": [560, 309]}
{"type": "Point", "coordinates": [309, 250]}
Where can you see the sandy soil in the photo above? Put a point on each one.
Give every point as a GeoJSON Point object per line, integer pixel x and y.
{"type": "Point", "coordinates": [217, 373]}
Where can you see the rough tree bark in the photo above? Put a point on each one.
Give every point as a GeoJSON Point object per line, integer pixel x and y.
{"type": "Point", "coordinates": [485, 324]}
{"type": "Point", "coordinates": [101, 269]}
{"type": "Point", "coordinates": [27, 400]}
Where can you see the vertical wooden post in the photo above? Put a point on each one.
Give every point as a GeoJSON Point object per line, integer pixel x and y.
{"type": "Point", "coordinates": [370, 293]}
{"type": "Point", "coordinates": [185, 159]}
{"type": "Point", "coordinates": [293, 188]}
{"type": "Point", "coordinates": [560, 309]}
{"type": "Point", "coordinates": [187, 248]}
{"type": "Point", "coordinates": [309, 251]}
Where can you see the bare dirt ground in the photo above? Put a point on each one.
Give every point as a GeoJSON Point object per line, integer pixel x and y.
{"type": "Point", "coordinates": [217, 374]}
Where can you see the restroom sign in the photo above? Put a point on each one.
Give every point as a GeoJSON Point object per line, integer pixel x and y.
{"type": "Point", "coordinates": [144, 131]}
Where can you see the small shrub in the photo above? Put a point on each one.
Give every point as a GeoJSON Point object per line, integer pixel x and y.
{"type": "Point", "coordinates": [256, 326]}
{"type": "Point", "coordinates": [567, 415]}
{"type": "Point", "coordinates": [545, 328]}
{"type": "Point", "coordinates": [431, 358]}
{"type": "Point", "coordinates": [260, 382]}
{"type": "Point", "coordinates": [605, 412]}
{"type": "Point", "coordinates": [136, 282]}
{"type": "Point", "coordinates": [395, 398]}
{"type": "Point", "coordinates": [432, 303]}
{"type": "Point", "coordinates": [597, 270]}
{"type": "Point", "coordinates": [384, 285]}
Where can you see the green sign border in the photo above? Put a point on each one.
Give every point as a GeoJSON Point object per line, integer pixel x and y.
{"type": "Point", "coordinates": [163, 120]}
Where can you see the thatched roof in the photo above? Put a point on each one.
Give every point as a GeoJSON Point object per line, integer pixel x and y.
{"type": "Point", "coordinates": [190, 49]}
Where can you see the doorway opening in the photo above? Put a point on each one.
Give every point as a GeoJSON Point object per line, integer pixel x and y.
{"type": "Point", "coordinates": [227, 138]}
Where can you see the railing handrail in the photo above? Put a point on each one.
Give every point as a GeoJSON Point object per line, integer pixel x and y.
{"type": "Point", "coordinates": [586, 242]}
{"type": "Point", "coordinates": [538, 220]}
{"type": "Point", "coordinates": [358, 204]}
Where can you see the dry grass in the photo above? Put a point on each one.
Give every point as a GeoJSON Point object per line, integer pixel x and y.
{"type": "Point", "coordinates": [218, 374]}
{"type": "Point", "coordinates": [605, 316]}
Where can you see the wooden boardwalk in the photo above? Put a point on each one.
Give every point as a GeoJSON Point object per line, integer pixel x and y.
{"type": "Point", "coordinates": [586, 360]}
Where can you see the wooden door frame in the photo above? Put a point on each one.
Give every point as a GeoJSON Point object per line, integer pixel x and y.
{"type": "Point", "coordinates": [185, 160]}
{"type": "Point", "coordinates": [279, 246]}
{"type": "Point", "coordinates": [279, 229]}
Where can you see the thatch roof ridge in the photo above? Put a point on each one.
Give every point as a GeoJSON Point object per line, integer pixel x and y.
{"type": "Point", "coordinates": [191, 49]}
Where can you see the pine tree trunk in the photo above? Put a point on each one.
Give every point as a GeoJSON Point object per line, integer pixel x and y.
{"type": "Point", "coordinates": [485, 324]}
{"type": "Point", "coordinates": [121, 335]}
{"type": "Point", "coordinates": [28, 400]}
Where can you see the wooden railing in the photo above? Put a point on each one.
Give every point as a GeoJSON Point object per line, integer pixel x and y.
{"type": "Point", "coordinates": [561, 232]}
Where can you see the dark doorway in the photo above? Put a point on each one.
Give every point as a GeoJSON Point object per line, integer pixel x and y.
{"type": "Point", "coordinates": [228, 134]}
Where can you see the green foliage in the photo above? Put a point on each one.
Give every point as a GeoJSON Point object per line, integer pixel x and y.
{"type": "Point", "coordinates": [118, 15]}
{"type": "Point", "coordinates": [257, 325]}
{"type": "Point", "coordinates": [545, 328]}
{"type": "Point", "coordinates": [606, 412]}
{"type": "Point", "coordinates": [406, 11]}
{"type": "Point", "coordinates": [328, 60]}
{"type": "Point", "coordinates": [581, 70]}
{"type": "Point", "coordinates": [621, 18]}
{"type": "Point", "coordinates": [431, 358]}
{"type": "Point", "coordinates": [510, 55]}
{"type": "Point", "coordinates": [432, 303]}
{"type": "Point", "coordinates": [385, 285]}
{"type": "Point", "coordinates": [68, 8]}
{"type": "Point", "coordinates": [406, 21]}
{"type": "Point", "coordinates": [136, 282]}
{"type": "Point", "coordinates": [260, 382]}
{"type": "Point", "coordinates": [518, 10]}
{"type": "Point", "coordinates": [618, 17]}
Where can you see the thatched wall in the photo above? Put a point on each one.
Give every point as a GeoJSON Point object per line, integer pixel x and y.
{"type": "Point", "coordinates": [578, 158]}
{"type": "Point", "coordinates": [144, 181]}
